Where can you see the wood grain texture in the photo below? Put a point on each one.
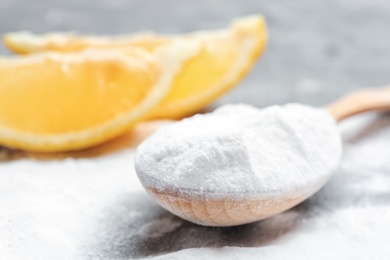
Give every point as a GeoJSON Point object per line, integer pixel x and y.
{"type": "Point", "coordinates": [226, 211]}
{"type": "Point", "coordinates": [360, 102]}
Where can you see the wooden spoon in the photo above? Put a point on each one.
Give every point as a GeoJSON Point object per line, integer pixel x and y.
{"type": "Point", "coordinates": [230, 212]}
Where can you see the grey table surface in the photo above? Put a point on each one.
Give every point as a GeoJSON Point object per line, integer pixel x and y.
{"type": "Point", "coordinates": [89, 205]}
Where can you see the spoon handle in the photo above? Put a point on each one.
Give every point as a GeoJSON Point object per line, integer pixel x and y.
{"type": "Point", "coordinates": [359, 102]}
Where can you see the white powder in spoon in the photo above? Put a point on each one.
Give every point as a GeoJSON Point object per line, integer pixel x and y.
{"type": "Point", "coordinates": [241, 151]}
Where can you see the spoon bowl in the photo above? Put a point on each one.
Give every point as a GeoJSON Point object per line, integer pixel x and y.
{"type": "Point", "coordinates": [230, 210]}
{"type": "Point", "coordinates": [210, 211]}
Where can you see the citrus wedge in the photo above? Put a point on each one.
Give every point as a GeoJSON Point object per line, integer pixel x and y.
{"type": "Point", "coordinates": [26, 42]}
{"type": "Point", "coordinates": [224, 58]}
{"type": "Point", "coordinates": [54, 102]}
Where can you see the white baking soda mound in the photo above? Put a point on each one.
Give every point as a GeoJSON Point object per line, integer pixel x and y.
{"type": "Point", "coordinates": [242, 152]}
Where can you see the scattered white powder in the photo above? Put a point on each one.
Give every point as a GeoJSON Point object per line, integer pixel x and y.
{"type": "Point", "coordinates": [242, 151]}
{"type": "Point", "coordinates": [93, 207]}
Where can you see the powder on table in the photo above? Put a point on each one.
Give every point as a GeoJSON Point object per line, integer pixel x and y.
{"type": "Point", "coordinates": [242, 151]}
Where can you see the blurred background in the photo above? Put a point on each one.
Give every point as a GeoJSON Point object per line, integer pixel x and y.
{"type": "Point", "coordinates": [318, 50]}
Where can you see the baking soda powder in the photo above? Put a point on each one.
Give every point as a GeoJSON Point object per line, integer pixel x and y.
{"type": "Point", "coordinates": [241, 151]}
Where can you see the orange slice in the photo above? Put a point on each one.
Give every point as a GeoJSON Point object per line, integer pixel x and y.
{"type": "Point", "coordinates": [224, 58]}
{"type": "Point", "coordinates": [54, 102]}
{"type": "Point", "coordinates": [26, 42]}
